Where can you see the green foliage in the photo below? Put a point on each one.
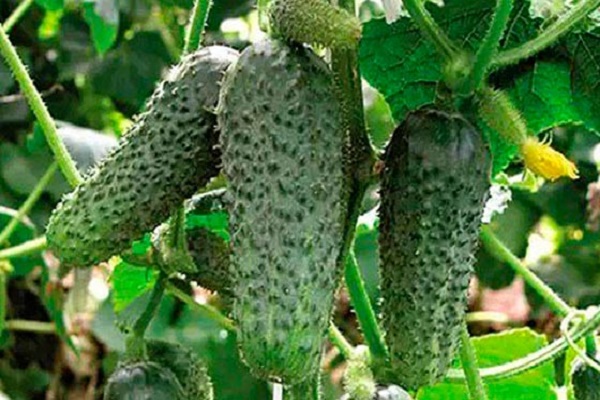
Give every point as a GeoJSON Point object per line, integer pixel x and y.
{"type": "Point", "coordinates": [585, 380]}
{"type": "Point", "coordinates": [285, 181]}
{"type": "Point", "coordinates": [492, 350]}
{"type": "Point", "coordinates": [103, 18]}
{"type": "Point", "coordinates": [432, 192]}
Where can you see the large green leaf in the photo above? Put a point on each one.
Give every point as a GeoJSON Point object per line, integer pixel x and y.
{"type": "Point", "coordinates": [393, 59]}
{"type": "Point", "coordinates": [585, 69]}
{"type": "Point", "coordinates": [130, 282]}
{"type": "Point", "coordinates": [536, 384]}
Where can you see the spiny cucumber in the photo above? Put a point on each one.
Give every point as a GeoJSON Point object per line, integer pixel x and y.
{"type": "Point", "coordinates": [586, 381]}
{"type": "Point", "coordinates": [166, 156]}
{"type": "Point", "coordinates": [282, 141]}
{"type": "Point", "coordinates": [185, 365]}
{"type": "Point", "coordinates": [143, 380]}
{"type": "Point", "coordinates": [434, 184]}
{"type": "Point", "coordinates": [314, 21]}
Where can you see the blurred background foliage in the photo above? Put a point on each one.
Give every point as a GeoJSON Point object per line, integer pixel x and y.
{"type": "Point", "coordinates": [95, 62]}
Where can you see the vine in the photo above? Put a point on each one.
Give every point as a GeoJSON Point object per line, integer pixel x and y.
{"type": "Point", "coordinates": [468, 359]}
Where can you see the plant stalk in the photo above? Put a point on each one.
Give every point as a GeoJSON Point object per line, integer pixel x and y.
{"type": "Point", "coordinates": [196, 26]}
{"type": "Point", "coordinates": [16, 15]}
{"type": "Point", "coordinates": [338, 340]}
{"type": "Point", "coordinates": [489, 46]}
{"type": "Point", "coordinates": [502, 253]}
{"type": "Point", "coordinates": [24, 249]}
{"type": "Point", "coordinates": [547, 37]}
{"type": "Point", "coordinates": [468, 359]}
{"type": "Point", "coordinates": [142, 323]}
{"type": "Point", "coordinates": [363, 308]}
{"type": "Point", "coordinates": [29, 203]}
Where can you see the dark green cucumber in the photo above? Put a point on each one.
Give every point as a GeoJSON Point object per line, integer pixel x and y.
{"type": "Point", "coordinates": [433, 189]}
{"type": "Point", "coordinates": [210, 254]}
{"type": "Point", "coordinates": [282, 141]}
{"type": "Point", "coordinates": [314, 21]}
{"type": "Point", "coordinates": [309, 389]}
{"type": "Point", "coordinates": [144, 380]}
{"type": "Point", "coordinates": [189, 370]}
{"type": "Point", "coordinates": [585, 381]}
{"type": "Point", "coordinates": [166, 156]}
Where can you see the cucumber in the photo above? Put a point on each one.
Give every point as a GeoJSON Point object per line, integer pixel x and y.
{"type": "Point", "coordinates": [143, 381]}
{"type": "Point", "coordinates": [189, 370]}
{"type": "Point", "coordinates": [282, 140]}
{"type": "Point", "coordinates": [166, 156]}
{"type": "Point", "coordinates": [309, 389]}
{"type": "Point", "coordinates": [585, 381]}
{"type": "Point", "coordinates": [314, 21]}
{"type": "Point", "coordinates": [433, 189]}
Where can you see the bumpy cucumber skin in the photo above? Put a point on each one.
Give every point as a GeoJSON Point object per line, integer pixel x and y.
{"type": "Point", "coordinates": [282, 141]}
{"type": "Point", "coordinates": [314, 21]}
{"type": "Point", "coordinates": [143, 381]}
{"type": "Point", "coordinates": [166, 156]}
{"type": "Point", "coordinates": [189, 370]}
{"type": "Point", "coordinates": [586, 381]}
{"type": "Point", "coordinates": [433, 189]}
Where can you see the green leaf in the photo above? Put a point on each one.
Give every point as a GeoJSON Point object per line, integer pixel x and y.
{"type": "Point", "coordinates": [393, 56]}
{"type": "Point", "coordinates": [215, 222]}
{"type": "Point", "coordinates": [130, 282]}
{"type": "Point", "coordinates": [103, 18]}
{"type": "Point", "coordinates": [51, 5]}
{"type": "Point", "coordinates": [536, 384]}
{"type": "Point", "coordinates": [585, 71]}
{"type": "Point", "coordinates": [130, 72]}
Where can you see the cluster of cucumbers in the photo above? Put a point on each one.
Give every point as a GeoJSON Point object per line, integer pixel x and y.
{"type": "Point", "coordinates": [272, 120]}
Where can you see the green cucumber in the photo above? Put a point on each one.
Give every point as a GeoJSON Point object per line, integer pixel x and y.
{"type": "Point", "coordinates": [189, 370]}
{"type": "Point", "coordinates": [585, 381]}
{"type": "Point", "coordinates": [143, 380]}
{"type": "Point", "coordinates": [166, 156]}
{"type": "Point", "coordinates": [434, 184]}
{"type": "Point", "coordinates": [283, 142]}
{"type": "Point", "coordinates": [314, 21]}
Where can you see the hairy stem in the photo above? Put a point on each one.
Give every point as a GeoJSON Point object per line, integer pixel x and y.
{"type": "Point", "coordinates": [363, 308]}
{"type": "Point", "coordinates": [196, 25]}
{"type": "Point", "coordinates": [489, 46]}
{"type": "Point", "coordinates": [16, 15]}
{"type": "Point", "coordinates": [62, 156]}
{"type": "Point", "coordinates": [142, 323]}
{"type": "Point", "coordinates": [468, 359]}
{"type": "Point", "coordinates": [502, 253]}
{"type": "Point", "coordinates": [24, 249]}
{"type": "Point", "coordinates": [532, 360]}
{"type": "Point", "coordinates": [30, 326]}
{"type": "Point", "coordinates": [547, 37]}
{"type": "Point", "coordinates": [427, 25]}
{"type": "Point", "coordinates": [338, 340]}
{"type": "Point", "coordinates": [29, 203]}
{"type": "Point", "coordinates": [204, 309]}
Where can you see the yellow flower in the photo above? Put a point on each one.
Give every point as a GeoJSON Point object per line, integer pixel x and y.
{"type": "Point", "coordinates": [543, 160]}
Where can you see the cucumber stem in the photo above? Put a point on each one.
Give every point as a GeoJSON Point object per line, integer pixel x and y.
{"type": "Point", "coordinates": [338, 340]}
{"type": "Point", "coordinates": [468, 359]}
{"type": "Point", "coordinates": [16, 15]}
{"type": "Point", "coordinates": [363, 308]}
{"type": "Point", "coordinates": [62, 156]}
{"type": "Point", "coordinates": [427, 25]}
{"type": "Point", "coordinates": [204, 309]}
{"type": "Point", "coordinates": [531, 360]}
{"type": "Point", "coordinates": [547, 37]}
{"type": "Point", "coordinates": [24, 249]}
{"type": "Point", "coordinates": [489, 47]}
{"type": "Point", "coordinates": [142, 323]}
{"type": "Point", "coordinates": [29, 203]}
{"type": "Point", "coordinates": [30, 326]}
{"type": "Point", "coordinates": [195, 29]}
{"type": "Point", "coordinates": [502, 253]}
